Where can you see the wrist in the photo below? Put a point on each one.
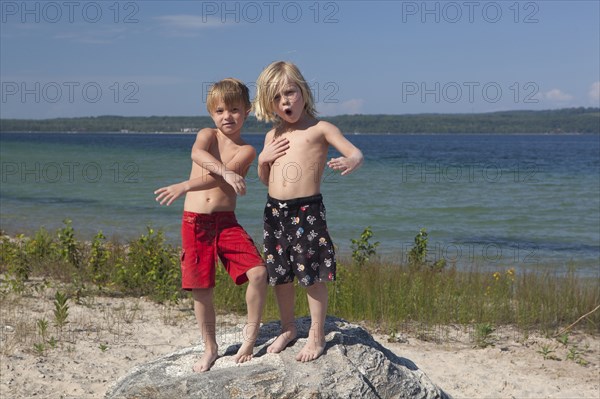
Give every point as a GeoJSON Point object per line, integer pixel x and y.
{"type": "Point", "coordinates": [263, 163]}
{"type": "Point", "coordinates": [358, 158]}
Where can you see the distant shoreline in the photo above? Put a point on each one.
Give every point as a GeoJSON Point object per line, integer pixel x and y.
{"type": "Point", "coordinates": [561, 121]}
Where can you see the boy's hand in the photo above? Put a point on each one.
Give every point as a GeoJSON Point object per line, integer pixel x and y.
{"type": "Point", "coordinates": [346, 165]}
{"type": "Point", "coordinates": [236, 181]}
{"type": "Point", "coordinates": [274, 150]}
{"type": "Point", "coordinates": [170, 193]}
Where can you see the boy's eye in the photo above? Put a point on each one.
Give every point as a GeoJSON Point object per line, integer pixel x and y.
{"type": "Point", "coordinates": [277, 97]}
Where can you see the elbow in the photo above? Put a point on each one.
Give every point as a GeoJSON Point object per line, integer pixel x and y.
{"type": "Point", "coordinates": [194, 156]}
{"type": "Point", "coordinates": [359, 157]}
{"type": "Point", "coordinates": [264, 171]}
{"type": "Point", "coordinates": [264, 180]}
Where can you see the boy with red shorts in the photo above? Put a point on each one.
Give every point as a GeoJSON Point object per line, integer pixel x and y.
{"type": "Point", "coordinates": [209, 226]}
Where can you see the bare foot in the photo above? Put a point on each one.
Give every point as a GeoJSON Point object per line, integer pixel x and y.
{"type": "Point", "coordinates": [206, 361]}
{"type": "Point", "coordinates": [312, 350]}
{"type": "Point", "coordinates": [244, 354]}
{"type": "Point", "coordinates": [282, 341]}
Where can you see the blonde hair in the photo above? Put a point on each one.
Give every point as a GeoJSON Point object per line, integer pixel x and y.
{"type": "Point", "coordinates": [231, 91]}
{"type": "Point", "coordinates": [269, 84]}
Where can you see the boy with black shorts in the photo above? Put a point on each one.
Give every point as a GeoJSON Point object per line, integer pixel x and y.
{"type": "Point", "coordinates": [209, 226]}
{"type": "Point", "coordinates": [291, 164]}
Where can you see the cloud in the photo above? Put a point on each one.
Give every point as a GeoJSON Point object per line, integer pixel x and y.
{"type": "Point", "coordinates": [352, 106]}
{"type": "Point", "coordinates": [557, 95]}
{"type": "Point", "coordinates": [189, 22]}
{"type": "Point", "coordinates": [186, 25]}
{"type": "Point", "coordinates": [104, 35]}
{"type": "Point", "coordinates": [594, 93]}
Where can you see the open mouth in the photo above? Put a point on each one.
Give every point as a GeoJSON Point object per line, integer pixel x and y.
{"type": "Point", "coordinates": [288, 112]}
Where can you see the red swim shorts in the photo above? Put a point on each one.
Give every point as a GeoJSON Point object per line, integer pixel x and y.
{"type": "Point", "coordinates": [206, 236]}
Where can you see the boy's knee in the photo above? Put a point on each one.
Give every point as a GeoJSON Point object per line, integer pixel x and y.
{"type": "Point", "coordinates": [202, 294]}
{"type": "Point", "coordinates": [257, 275]}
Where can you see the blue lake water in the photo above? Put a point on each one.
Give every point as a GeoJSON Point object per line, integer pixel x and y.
{"type": "Point", "coordinates": [496, 200]}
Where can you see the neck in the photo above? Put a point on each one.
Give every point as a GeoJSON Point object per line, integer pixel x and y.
{"type": "Point", "coordinates": [303, 122]}
{"type": "Point", "coordinates": [233, 136]}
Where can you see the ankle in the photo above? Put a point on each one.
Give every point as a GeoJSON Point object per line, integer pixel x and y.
{"type": "Point", "coordinates": [289, 328]}
{"type": "Point", "coordinates": [316, 334]}
{"type": "Point", "coordinates": [289, 331]}
{"type": "Point", "coordinates": [211, 347]}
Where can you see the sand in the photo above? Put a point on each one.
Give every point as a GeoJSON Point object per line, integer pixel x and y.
{"type": "Point", "coordinates": [106, 337]}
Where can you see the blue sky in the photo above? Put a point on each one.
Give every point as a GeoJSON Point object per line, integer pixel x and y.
{"type": "Point", "coordinates": [89, 58]}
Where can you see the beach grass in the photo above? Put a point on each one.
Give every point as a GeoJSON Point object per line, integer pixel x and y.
{"type": "Point", "coordinates": [386, 295]}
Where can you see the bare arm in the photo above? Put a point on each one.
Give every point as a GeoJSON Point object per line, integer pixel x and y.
{"type": "Point", "coordinates": [273, 149]}
{"type": "Point", "coordinates": [202, 157]}
{"type": "Point", "coordinates": [352, 157]}
{"type": "Point", "coordinates": [241, 162]}
{"type": "Point", "coordinates": [170, 193]}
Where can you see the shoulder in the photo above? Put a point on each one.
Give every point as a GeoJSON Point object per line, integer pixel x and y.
{"type": "Point", "coordinates": [247, 149]}
{"type": "Point", "coordinates": [241, 160]}
{"type": "Point", "coordinates": [244, 154]}
{"type": "Point", "coordinates": [327, 129]}
{"type": "Point", "coordinates": [270, 135]}
{"type": "Point", "coordinates": [207, 133]}
{"type": "Point", "coordinates": [325, 126]}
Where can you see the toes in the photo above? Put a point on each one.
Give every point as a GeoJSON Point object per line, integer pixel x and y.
{"type": "Point", "coordinates": [199, 368]}
{"type": "Point", "coordinates": [243, 358]}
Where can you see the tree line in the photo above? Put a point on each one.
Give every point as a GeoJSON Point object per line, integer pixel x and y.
{"type": "Point", "coordinates": [568, 120]}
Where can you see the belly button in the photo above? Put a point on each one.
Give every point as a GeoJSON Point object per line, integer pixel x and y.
{"type": "Point", "coordinates": [208, 200]}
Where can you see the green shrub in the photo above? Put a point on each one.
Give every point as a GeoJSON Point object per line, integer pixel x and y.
{"type": "Point", "coordinates": [68, 247]}
{"type": "Point", "coordinates": [98, 260]}
{"type": "Point", "coordinates": [151, 268]}
{"type": "Point", "coordinates": [417, 257]}
{"type": "Point", "coordinates": [362, 249]}
{"type": "Point", "coordinates": [386, 295]}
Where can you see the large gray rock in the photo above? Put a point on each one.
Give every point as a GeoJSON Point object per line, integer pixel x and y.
{"type": "Point", "coordinates": [354, 365]}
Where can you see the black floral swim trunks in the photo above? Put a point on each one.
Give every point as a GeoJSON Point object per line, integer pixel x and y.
{"type": "Point", "coordinates": [296, 241]}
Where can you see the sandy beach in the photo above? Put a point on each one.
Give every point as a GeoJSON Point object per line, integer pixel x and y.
{"type": "Point", "coordinates": [105, 337]}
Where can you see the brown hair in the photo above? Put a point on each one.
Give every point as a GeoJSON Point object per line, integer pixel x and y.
{"type": "Point", "coordinates": [231, 91]}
